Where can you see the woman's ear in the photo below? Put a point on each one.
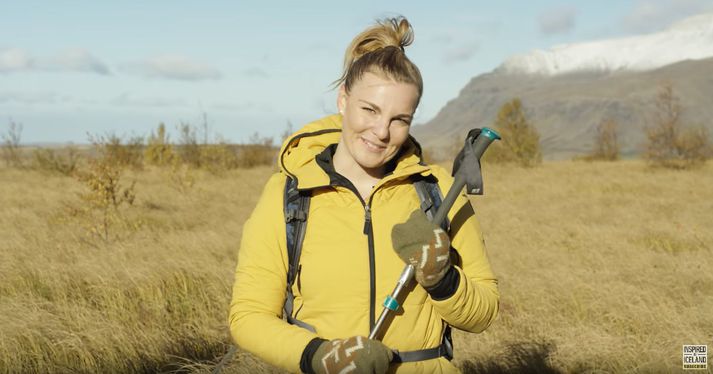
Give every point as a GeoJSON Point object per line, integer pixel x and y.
{"type": "Point", "coordinates": [341, 99]}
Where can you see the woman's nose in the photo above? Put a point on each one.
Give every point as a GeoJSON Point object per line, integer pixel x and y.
{"type": "Point", "coordinates": [381, 128]}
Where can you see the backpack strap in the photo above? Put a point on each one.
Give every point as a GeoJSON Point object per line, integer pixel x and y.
{"type": "Point", "coordinates": [296, 209]}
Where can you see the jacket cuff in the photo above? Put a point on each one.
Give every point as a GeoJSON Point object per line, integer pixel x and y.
{"type": "Point", "coordinates": [308, 354]}
{"type": "Point", "coordinates": [446, 287]}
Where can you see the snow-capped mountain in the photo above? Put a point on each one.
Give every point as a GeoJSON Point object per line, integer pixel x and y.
{"type": "Point", "coordinates": [567, 91]}
{"type": "Point", "coordinates": [689, 39]}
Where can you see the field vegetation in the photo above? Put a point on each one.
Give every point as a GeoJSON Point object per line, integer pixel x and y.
{"type": "Point", "coordinates": [603, 267]}
{"type": "Point", "coordinates": [119, 256]}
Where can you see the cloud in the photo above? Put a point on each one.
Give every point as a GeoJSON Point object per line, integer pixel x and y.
{"type": "Point", "coordinates": [442, 38]}
{"type": "Point", "coordinates": [76, 59]}
{"type": "Point", "coordinates": [70, 59]}
{"type": "Point", "coordinates": [14, 59]}
{"type": "Point", "coordinates": [655, 15]}
{"type": "Point", "coordinates": [461, 53]}
{"type": "Point", "coordinates": [173, 67]}
{"type": "Point", "coordinates": [29, 98]}
{"type": "Point", "coordinates": [557, 20]}
{"type": "Point", "coordinates": [256, 72]}
{"type": "Point", "coordinates": [125, 99]}
{"type": "Point", "coordinates": [244, 106]}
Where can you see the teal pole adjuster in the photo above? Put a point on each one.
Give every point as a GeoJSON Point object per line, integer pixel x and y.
{"type": "Point", "coordinates": [490, 133]}
{"type": "Point", "coordinates": [391, 304]}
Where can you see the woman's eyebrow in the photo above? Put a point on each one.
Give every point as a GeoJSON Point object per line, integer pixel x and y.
{"type": "Point", "coordinates": [376, 107]}
{"type": "Point", "coordinates": [368, 103]}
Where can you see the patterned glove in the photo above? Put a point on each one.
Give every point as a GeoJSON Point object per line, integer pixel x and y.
{"type": "Point", "coordinates": [354, 355]}
{"type": "Point", "coordinates": [425, 246]}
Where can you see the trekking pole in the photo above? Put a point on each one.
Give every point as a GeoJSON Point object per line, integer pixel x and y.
{"type": "Point", "coordinates": [466, 173]}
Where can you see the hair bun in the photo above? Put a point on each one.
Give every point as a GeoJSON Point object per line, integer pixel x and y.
{"type": "Point", "coordinates": [380, 48]}
{"type": "Point", "coordinates": [388, 32]}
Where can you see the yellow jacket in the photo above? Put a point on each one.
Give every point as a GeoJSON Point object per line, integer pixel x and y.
{"type": "Point", "coordinates": [333, 288]}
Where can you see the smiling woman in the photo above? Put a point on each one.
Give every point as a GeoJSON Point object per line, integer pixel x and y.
{"type": "Point", "coordinates": [358, 178]}
{"type": "Point", "coordinates": [376, 116]}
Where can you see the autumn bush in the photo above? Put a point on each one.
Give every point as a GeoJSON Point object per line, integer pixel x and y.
{"type": "Point", "coordinates": [62, 161]}
{"type": "Point", "coordinates": [10, 148]}
{"type": "Point", "coordinates": [669, 143]}
{"type": "Point", "coordinates": [159, 150]}
{"type": "Point", "coordinates": [258, 151]}
{"type": "Point", "coordinates": [520, 142]}
{"type": "Point", "coordinates": [106, 195]}
{"type": "Point", "coordinates": [606, 143]}
{"type": "Point", "coordinates": [118, 150]}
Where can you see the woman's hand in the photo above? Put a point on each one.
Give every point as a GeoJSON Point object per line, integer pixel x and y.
{"type": "Point", "coordinates": [353, 355]}
{"type": "Point", "coordinates": [425, 246]}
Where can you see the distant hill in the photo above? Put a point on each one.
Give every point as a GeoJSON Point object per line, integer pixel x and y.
{"type": "Point", "coordinates": [566, 103]}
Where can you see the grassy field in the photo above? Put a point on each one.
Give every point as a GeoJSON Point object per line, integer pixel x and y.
{"type": "Point", "coordinates": [603, 267]}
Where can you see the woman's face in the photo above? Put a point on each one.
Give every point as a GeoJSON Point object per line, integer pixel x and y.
{"type": "Point", "coordinates": [377, 114]}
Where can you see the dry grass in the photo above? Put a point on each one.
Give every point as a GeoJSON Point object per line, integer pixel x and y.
{"type": "Point", "coordinates": [603, 267]}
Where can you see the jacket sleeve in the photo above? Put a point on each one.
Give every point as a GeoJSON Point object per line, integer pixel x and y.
{"type": "Point", "coordinates": [256, 322]}
{"type": "Point", "coordinates": [474, 304]}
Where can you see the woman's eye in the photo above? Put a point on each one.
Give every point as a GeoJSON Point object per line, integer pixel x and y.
{"type": "Point", "coordinates": [370, 110]}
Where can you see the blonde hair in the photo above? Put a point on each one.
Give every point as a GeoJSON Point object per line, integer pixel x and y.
{"type": "Point", "coordinates": [380, 49]}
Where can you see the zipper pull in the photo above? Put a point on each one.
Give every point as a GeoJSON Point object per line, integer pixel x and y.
{"type": "Point", "coordinates": [367, 219]}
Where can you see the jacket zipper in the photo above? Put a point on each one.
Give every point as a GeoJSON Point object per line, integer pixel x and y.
{"type": "Point", "coordinates": [368, 231]}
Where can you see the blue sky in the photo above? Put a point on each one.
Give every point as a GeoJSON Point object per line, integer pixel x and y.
{"type": "Point", "coordinates": [69, 68]}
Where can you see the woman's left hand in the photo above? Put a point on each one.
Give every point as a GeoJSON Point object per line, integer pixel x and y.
{"type": "Point", "coordinates": [425, 246]}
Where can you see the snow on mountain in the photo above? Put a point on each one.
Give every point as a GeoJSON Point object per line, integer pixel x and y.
{"type": "Point", "coordinates": [689, 39]}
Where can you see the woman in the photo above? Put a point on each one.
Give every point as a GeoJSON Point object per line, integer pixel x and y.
{"type": "Point", "coordinates": [364, 223]}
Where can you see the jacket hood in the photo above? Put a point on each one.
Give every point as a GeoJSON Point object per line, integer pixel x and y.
{"type": "Point", "coordinates": [298, 152]}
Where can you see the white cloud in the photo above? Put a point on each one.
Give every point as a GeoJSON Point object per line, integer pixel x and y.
{"type": "Point", "coordinates": [14, 59]}
{"type": "Point", "coordinates": [256, 72]}
{"type": "Point", "coordinates": [76, 59]}
{"type": "Point", "coordinates": [29, 98]}
{"type": "Point", "coordinates": [173, 67]}
{"type": "Point", "coordinates": [461, 53]}
{"type": "Point", "coordinates": [443, 38]}
{"type": "Point", "coordinates": [242, 106]}
{"type": "Point", "coordinates": [70, 59]}
{"type": "Point", "coordinates": [557, 20]}
{"type": "Point", "coordinates": [654, 15]}
{"type": "Point", "coordinates": [126, 99]}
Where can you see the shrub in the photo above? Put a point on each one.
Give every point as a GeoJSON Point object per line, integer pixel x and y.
{"type": "Point", "coordinates": [606, 143]}
{"type": "Point", "coordinates": [668, 144]}
{"type": "Point", "coordinates": [104, 198]}
{"type": "Point", "coordinates": [119, 152]}
{"type": "Point", "coordinates": [11, 145]}
{"type": "Point", "coordinates": [182, 178]}
{"type": "Point", "coordinates": [258, 151]}
{"type": "Point", "coordinates": [520, 140]}
{"type": "Point", "coordinates": [188, 147]}
{"type": "Point", "coordinates": [217, 158]}
{"type": "Point", "coordinates": [62, 162]}
{"type": "Point", "coordinates": [159, 150]}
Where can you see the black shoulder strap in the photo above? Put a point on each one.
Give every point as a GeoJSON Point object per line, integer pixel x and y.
{"type": "Point", "coordinates": [296, 209]}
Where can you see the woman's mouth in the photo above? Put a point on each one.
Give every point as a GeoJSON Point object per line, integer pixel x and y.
{"type": "Point", "coordinates": [373, 147]}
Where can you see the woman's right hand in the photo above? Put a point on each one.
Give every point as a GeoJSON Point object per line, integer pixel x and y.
{"type": "Point", "coordinates": [353, 355]}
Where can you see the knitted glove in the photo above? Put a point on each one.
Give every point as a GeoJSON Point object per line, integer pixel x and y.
{"type": "Point", "coordinates": [425, 246]}
{"type": "Point", "coordinates": [354, 355]}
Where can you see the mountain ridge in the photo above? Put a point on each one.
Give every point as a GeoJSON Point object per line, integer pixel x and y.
{"type": "Point", "coordinates": [566, 108]}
